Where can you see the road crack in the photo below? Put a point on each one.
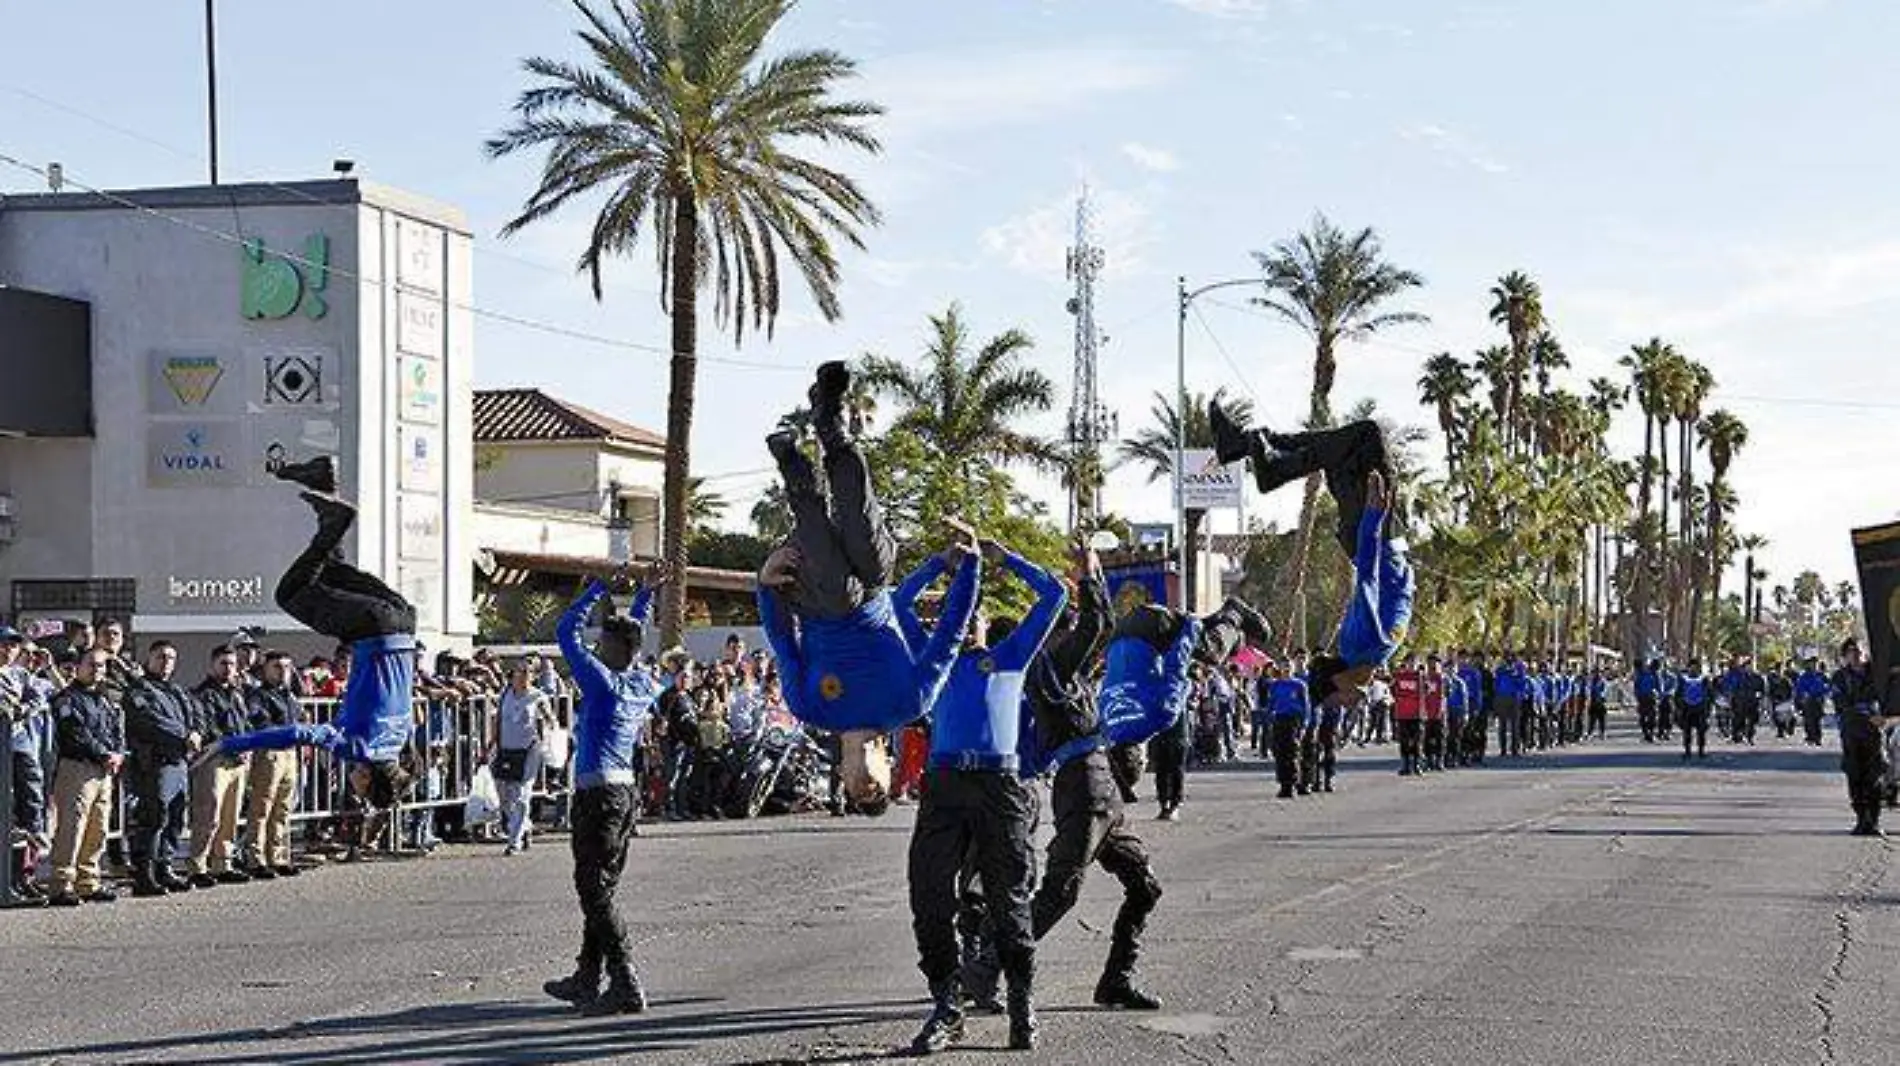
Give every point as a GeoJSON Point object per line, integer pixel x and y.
{"type": "Point", "coordinates": [1860, 887]}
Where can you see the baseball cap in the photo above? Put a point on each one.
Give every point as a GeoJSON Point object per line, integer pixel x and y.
{"type": "Point", "coordinates": [244, 638]}
{"type": "Point", "coordinates": [10, 635]}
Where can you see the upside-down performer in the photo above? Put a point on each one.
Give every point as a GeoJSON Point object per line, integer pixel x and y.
{"type": "Point", "coordinates": [1090, 826]}
{"type": "Point", "coordinates": [376, 715]}
{"type": "Point", "coordinates": [1359, 474]}
{"type": "Point", "coordinates": [853, 657]}
{"type": "Point", "coordinates": [1145, 686]}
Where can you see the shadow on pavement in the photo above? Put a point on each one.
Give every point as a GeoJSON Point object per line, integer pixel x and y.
{"type": "Point", "coordinates": [491, 1032]}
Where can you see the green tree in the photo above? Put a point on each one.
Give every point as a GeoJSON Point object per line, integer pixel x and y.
{"type": "Point", "coordinates": [1336, 287]}
{"type": "Point", "coordinates": [1724, 435]}
{"type": "Point", "coordinates": [705, 507]}
{"type": "Point", "coordinates": [1517, 305]}
{"type": "Point", "coordinates": [1153, 448]}
{"type": "Point", "coordinates": [1446, 387]}
{"type": "Point", "coordinates": [695, 136]}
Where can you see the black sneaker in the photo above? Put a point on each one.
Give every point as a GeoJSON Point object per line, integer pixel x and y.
{"type": "Point", "coordinates": [233, 877]}
{"type": "Point", "coordinates": [103, 895]}
{"type": "Point", "coordinates": [174, 883]}
{"type": "Point", "coordinates": [62, 899]}
{"type": "Point", "coordinates": [1022, 1022]}
{"type": "Point", "coordinates": [576, 989]}
{"type": "Point", "coordinates": [204, 881]}
{"type": "Point", "coordinates": [318, 475]}
{"type": "Point", "coordinates": [263, 873]}
{"type": "Point", "coordinates": [621, 997]}
{"type": "Point", "coordinates": [148, 890]}
{"type": "Point", "coordinates": [1232, 443]}
{"type": "Point", "coordinates": [287, 871]}
{"type": "Point", "coordinates": [1123, 995]}
{"type": "Point", "coordinates": [827, 399]}
{"type": "Point", "coordinates": [943, 1029]}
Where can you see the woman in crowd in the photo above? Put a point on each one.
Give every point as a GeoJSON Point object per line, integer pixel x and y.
{"type": "Point", "coordinates": [522, 718]}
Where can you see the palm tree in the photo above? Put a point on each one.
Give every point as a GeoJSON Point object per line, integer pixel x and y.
{"type": "Point", "coordinates": [1153, 446]}
{"type": "Point", "coordinates": [1693, 385]}
{"type": "Point", "coordinates": [1518, 306]}
{"type": "Point", "coordinates": [1647, 364]}
{"type": "Point", "coordinates": [772, 514]}
{"type": "Point", "coordinates": [705, 507]}
{"type": "Point", "coordinates": [693, 135]}
{"type": "Point", "coordinates": [966, 404]}
{"type": "Point", "coordinates": [1334, 286]}
{"type": "Point", "coordinates": [1446, 385]}
{"type": "Point", "coordinates": [1724, 435]}
{"type": "Point", "coordinates": [1546, 355]}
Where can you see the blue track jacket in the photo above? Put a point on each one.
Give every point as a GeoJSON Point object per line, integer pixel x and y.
{"type": "Point", "coordinates": [1383, 588]}
{"type": "Point", "coordinates": [981, 721]}
{"type": "Point", "coordinates": [1144, 693]}
{"type": "Point", "coordinates": [614, 708]}
{"type": "Point", "coordinates": [875, 668]}
{"type": "Point", "coordinates": [373, 720]}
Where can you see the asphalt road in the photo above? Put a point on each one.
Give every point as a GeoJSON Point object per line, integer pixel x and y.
{"type": "Point", "coordinates": [1603, 905]}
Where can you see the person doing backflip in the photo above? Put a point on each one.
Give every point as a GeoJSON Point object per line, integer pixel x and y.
{"type": "Point", "coordinates": [1359, 474]}
{"type": "Point", "coordinates": [853, 657]}
{"type": "Point", "coordinates": [376, 714]}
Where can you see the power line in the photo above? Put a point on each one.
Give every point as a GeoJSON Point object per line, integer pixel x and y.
{"type": "Point", "coordinates": [237, 240]}
{"type": "Point", "coordinates": [1239, 375]}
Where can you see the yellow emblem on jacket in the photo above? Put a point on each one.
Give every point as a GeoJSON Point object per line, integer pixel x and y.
{"type": "Point", "coordinates": [830, 686]}
{"type": "Point", "coordinates": [986, 665]}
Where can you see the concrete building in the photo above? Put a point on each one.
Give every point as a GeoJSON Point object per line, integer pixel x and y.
{"type": "Point", "coordinates": [163, 349]}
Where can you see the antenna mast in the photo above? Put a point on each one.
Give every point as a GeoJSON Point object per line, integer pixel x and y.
{"type": "Point", "coordinates": [1090, 423]}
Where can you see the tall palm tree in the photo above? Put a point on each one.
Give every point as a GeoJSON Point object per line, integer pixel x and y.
{"type": "Point", "coordinates": [965, 403]}
{"type": "Point", "coordinates": [1445, 386]}
{"type": "Point", "coordinates": [1547, 354]}
{"type": "Point", "coordinates": [705, 506]}
{"type": "Point", "coordinates": [1494, 366]}
{"type": "Point", "coordinates": [1693, 383]}
{"type": "Point", "coordinates": [1647, 364]}
{"type": "Point", "coordinates": [1517, 305]}
{"type": "Point", "coordinates": [1335, 286]}
{"type": "Point", "coordinates": [694, 136]}
{"type": "Point", "coordinates": [1724, 435]}
{"type": "Point", "coordinates": [1153, 446]}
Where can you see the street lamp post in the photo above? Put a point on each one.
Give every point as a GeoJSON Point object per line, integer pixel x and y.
{"type": "Point", "coordinates": [1184, 299]}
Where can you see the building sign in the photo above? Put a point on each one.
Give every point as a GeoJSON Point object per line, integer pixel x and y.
{"type": "Point", "coordinates": [419, 458]}
{"type": "Point", "coordinates": [203, 592]}
{"type": "Point", "coordinates": [194, 454]}
{"type": "Point", "coordinates": [1207, 485]}
{"type": "Point", "coordinates": [419, 390]}
{"type": "Point", "coordinates": [419, 325]}
{"type": "Point", "coordinates": [1135, 586]}
{"type": "Point", "coordinates": [293, 377]}
{"type": "Point", "coordinates": [278, 285]}
{"type": "Point", "coordinates": [277, 441]}
{"type": "Point", "coordinates": [422, 588]}
{"type": "Point", "coordinates": [418, 256]}
{"type": "Point", "coordinates": [191, 384]}
{"type": "Point", "coordinates": [419, 534]}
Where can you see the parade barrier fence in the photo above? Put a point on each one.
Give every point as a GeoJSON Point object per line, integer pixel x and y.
{"type": "Point", "coordinates": [444, 754]}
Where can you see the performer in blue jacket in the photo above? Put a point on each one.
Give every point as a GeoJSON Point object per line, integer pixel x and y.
{"type": "Point", "coordinates": [1811, 690]}
{"type": "Point", "coordinates": [1694, 695]}
{"type": "Point", "coordinates": [1286, 699]}
{"type": "Point", "coordinates": [1648, 697]}
{"type": "Point", "coordinates": [375, 717]}
{"type": "Point", "coordinates": [852, 657]}
{"type": "Point", "coordinates": [1379, 612]}
{"type": "Point", "coordinates": [976, 804]}
{"type": "Point", "coordinates": [616, 702]}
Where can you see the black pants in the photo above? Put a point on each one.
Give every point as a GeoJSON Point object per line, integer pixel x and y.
{"type": "Point", "coordinates": [1168, 753]}
{"type": "Point", "coordinates": [1326, 747]}
{"type": "Point", "coordinates": [1510, 739]}
{"type": "Point", "coordinates": [1864, 761]}
{"type": "Point", "coordinates": [846, 550]}
{"type": "Point", "coordinates": [1221, 632]}
{"type": "Point", "coordinates": [1092, 828]}
{"type": "Point", "coordinates": [158, 815]}
{"type": "Point", "coordinates": [1477, 736]}
{"type": "Point", "coordinates": [1646, 715]}
{"type": "Point", "coordinates": [986, 818]}
{"type": "Point", "coordinates": [1411, 739]}
{"type": "Point", "coordinates": [338, 600]}
{"type": "Point", "coordinates": [1346, 455]}
{"type": "Point", "coordinates": [1599, 718]}
{"type": "Point", "coordinates": [603, 820]}
{"type": "Point", "coordinates": [1666, 713]}
{"type": "Point", "coordinates": [1747, 717]}
{"type": "Point", "coordinates": [1811, 714]}
{"type": "Point", "coordinates": [1695, 729]}
{"type": "Point", "coordinates": [1286, 752]}
{"type": "Point", "coordinates": [29, 792]}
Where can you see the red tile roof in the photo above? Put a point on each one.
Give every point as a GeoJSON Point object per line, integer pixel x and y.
{"type": "Point", "coordinates": [509, 415]}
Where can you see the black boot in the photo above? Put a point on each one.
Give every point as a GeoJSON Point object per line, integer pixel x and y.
{"type": "Point", "coordinates": [1259, 631]}
{"type": "Point", "coordinates": [144, 884]}
{"type": "Point", "coordinates": [979, 977]}
{"type": "Point", "coordinates": [623, 996]}
{"type": "Point", "coordinates": [1232, 442]}
{"type": "Point", "coordinates": [827, 401]}
{"type": "Point", "coordinates": [334, 516]}
{"type": "Point", "coordinates": [318, 475]}
{"type": "Point", "coordinates": [1022, 1014]}
{"type": "Point", "coordinates": [579, 988]}
{"type": "Point", "coordinates": [944, 1027]}
{"type": "Point", "coordinates": [171, 881]}
{"type": "Point", "coordinates": [1116, 989]}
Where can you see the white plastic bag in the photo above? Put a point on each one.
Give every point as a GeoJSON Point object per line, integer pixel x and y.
{"type": "Point", "coordinates": [554, 748]}
{"type": "Point", "coordinates": [484, 799]}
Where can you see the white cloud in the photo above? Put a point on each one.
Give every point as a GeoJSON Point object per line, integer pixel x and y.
{"type": "Point", "coordinates": [1037, 241]}
{"type": "Point", "coordinates": [1149, 157]}
{"type": "Point", "coordinates": [931, 92]}
{"type": "Point", "coordinates": [1792, 284]}
{"type": "Point", "coordinates": [1225, 9]}
{"type": "Point", "coordinates": [1455, 147]}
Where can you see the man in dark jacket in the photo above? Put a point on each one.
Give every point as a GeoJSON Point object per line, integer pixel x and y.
{"type": "Point", "coordinates": [91, 751]}
{"type": "Point", "coordinates": [217, 784]}
{"type": "Point", "coordinates": [161, 730]}
{"type": "Point", "coordinates": [1863, 748]}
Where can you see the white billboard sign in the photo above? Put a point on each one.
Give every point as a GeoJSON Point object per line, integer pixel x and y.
{"type": "Point", "coordinates": [1206, 485]}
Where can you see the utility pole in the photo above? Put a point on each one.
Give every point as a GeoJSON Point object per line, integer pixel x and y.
{"type": "Point", "coordinates": [211, 82]}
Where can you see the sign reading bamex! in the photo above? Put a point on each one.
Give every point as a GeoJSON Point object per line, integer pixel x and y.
{"type": "Point", "coordinates": [1206, 485]}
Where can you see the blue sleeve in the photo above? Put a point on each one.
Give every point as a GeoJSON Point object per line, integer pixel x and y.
{"type": "Point", "coordinates": [642, 609]}
{"type": "Point", "coordinates": [1052, 596]}
{"type": "Point", "coordinates": [1174, 666]}
{"type": "Point", "coordinates": [774, 619]}
{"type": "Point", "coordinates": [590, 674]}
{"type": "Point", "coordinates": [1370, 544]}
{"type": "Point", "coordinates": [284, 738]}
{"type": "Point", "coordinates": [904, 601]}
{"type": "Point", "coordinates": [1029, 754]}
{"type": "Point", "coordinates": [959, 606]}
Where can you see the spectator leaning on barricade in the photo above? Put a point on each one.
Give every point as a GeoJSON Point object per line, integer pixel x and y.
{"type": "Point", "coordinates": [217, 784]}
{"type": "Point", "coordinates": [91, 753]}
{"type": "Point", "coordinates": [273, 781]}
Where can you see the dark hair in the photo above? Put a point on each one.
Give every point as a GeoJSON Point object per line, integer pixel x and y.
{"type": "Point", "coordinates": [998, 631]}
{"type": "Point", "coordinates": [1323, 671]}
{"type": "Point", "coordinates": [222, 650]}
{"type": "Point", "coordinates": [159, 645]}
{"type": "Point", "coordinates": [274, 655]}
{"type": "Point", "coordinates": [1850, 644]}
{"type": "Point", "coordinates": [108, 623]}
{"type": "Point", "coordinates": [734, 638]}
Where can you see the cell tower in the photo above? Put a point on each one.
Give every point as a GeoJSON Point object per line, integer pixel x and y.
{"type": "Point", "coordinates": [1090, 423]}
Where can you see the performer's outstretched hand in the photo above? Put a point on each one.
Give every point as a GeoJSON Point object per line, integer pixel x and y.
{"type": "Point", "coordinates": [781, 568]}
{"type": "Point", "coordinates": [993, 551]}
{"type": "Point", "coordinates": [1375, 491]}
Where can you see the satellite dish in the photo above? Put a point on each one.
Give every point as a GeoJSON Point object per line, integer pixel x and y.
{"type": "Point", "coordinates": [1104, 540]}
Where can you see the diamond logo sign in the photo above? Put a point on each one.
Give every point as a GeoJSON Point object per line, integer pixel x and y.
{"type": "Point", "coordinates": [293, 380]}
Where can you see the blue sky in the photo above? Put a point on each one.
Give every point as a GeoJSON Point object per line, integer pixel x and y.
{"type": "Point", "coordinates": [1717, 172]}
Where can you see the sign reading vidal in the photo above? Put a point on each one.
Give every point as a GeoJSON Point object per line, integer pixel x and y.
{"type": "Point", "coordinates": [1207, 485]}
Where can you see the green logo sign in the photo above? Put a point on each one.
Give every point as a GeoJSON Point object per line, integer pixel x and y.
{"type": "Point", "coordinates": [276, 286]}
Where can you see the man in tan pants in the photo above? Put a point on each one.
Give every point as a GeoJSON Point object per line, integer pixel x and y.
{"type": "Point", "coordinates": [91, 751]}
{"type": "Point", "coordinates": [217, 784]}
{"type": "Point", "coordinates": [273, 773]}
